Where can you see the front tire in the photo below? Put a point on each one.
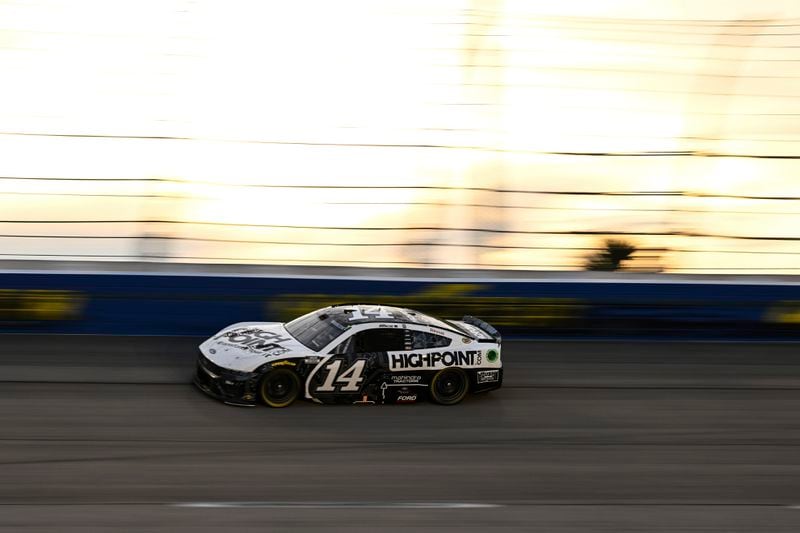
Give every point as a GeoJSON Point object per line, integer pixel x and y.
{"type": "Point", "coordinates": [279, 387]}
{"type": "Point", "coordinates": [449, 386]}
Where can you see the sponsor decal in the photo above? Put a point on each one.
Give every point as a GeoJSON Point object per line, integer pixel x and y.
{"type": "Point", "coordinates": [285, 362]}
{"type": "Point", "coordinates": [492, 356]}
{"type": "Point", "coordinates": [488, 376]}
{"type": "Point", "coordinates": [255, 340]}
{"type": "Point", "coordinates": [401, 361]}
{"type": "Point", "coordinates": [212, 350]}
{"type": "Point", "coordinates": [391, 326]}
{"type": "Point", "coordinates": [406, 380]}
{"type": "Point", "coordinates": [403, 398]}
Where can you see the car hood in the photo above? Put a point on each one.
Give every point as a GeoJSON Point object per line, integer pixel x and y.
{"type": "Point", "coordinates": [248, 345]}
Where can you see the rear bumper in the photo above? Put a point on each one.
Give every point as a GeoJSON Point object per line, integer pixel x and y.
{"type": "Point", "coordinates": [485, 380]}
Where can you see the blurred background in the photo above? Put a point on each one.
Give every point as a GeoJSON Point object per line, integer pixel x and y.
{"type": "Point", "coordinates": [473, 134]}
{"type": "Point", "coordinates": [170, 167]}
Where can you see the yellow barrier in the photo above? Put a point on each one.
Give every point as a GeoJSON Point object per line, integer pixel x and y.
{"type": "Point", "coordinates": [40, 305]}
{"type": "Point", "coordinates": [786, 312]}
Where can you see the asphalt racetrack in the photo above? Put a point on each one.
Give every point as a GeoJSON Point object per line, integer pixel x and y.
{"type": "Point", "coordinates": [107, 434]}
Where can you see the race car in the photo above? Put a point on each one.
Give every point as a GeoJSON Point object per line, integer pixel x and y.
{"type": "Point", "coordinates": [351, 353]}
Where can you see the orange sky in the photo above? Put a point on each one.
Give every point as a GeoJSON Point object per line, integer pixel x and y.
{"type": "Point", "coordinates": [446, 94]}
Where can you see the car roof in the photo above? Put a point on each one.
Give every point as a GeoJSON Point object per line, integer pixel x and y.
{"type": "Point", "coordinates": [358, 313]}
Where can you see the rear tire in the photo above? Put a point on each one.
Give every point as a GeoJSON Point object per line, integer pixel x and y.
{"type": "Point", "coordinates": [449, 386]}
{"type": "Point", "coordinates": [279, 387]}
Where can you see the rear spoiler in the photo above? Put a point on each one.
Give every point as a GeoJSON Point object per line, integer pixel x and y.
{"type": "Point", "coordinates": [484, 326]}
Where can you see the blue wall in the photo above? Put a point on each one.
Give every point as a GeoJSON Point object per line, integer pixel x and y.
{"type": "Point", "coordinates": [201, 305]}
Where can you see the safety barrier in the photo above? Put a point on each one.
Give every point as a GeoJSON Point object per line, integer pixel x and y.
{"type": "Point", "coordinates": [191, 304]}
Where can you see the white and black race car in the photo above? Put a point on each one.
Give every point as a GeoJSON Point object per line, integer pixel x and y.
{"type": "Point", "coordinates": [351, 353]}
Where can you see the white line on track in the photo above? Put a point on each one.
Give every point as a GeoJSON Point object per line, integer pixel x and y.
{"type": "Point", "coordinates": [338, 505]}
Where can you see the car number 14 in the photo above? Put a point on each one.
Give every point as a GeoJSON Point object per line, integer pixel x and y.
{"type": "Point", "coordinates": [349, 380]}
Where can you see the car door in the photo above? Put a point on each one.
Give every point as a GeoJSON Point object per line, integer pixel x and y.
{"type": "Point", "coordinates": [349, 375]}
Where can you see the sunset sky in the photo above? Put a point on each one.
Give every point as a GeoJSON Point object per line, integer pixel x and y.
{"type": "Point", "coordinates": [213, 131]}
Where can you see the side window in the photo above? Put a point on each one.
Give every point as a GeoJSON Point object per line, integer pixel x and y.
{"type": "Point", "coordinates": [379, 340]}
{"type": "Point", "coordinates": [345, 346]}
{"type": "Point", "coordinates": [421, 340]}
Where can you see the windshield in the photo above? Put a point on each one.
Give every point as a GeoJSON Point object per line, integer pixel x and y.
{"type": "Point", "coordinates": [316, 330]}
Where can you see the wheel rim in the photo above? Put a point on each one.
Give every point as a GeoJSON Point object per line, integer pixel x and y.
{"type": "Point", "coordinates": [279, 388]}
{"type": "Point", "coordinates": [450, 386]}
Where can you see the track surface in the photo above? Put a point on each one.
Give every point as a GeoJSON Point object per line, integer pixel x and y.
{"type": "Point", "coordinates": [102, 433]}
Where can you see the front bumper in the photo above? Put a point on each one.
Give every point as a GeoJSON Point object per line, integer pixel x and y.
{"type": "Point", "coordinates": [225, 385]}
